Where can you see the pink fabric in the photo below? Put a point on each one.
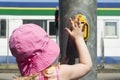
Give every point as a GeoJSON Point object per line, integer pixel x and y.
{"type": "Point", "coordinates": [33, 49]}
{"type": "Point", "coordinates": [57, 73]}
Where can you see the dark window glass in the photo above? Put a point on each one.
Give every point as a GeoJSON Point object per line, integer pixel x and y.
{"type": "Point", "coordinates": [2, 28]}
{"type": "Point", "coordinates": [52, 28]}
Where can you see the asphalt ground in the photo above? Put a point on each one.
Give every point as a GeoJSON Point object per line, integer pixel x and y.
{"type": "Point", "coordinates": [106, 72]}
{"type": "Point", "coordinates": [101, 76]}
{"type": "Point", "coordinates": [106, 68]}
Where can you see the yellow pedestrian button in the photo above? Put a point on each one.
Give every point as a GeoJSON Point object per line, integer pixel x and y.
{"type": "Point", "coordinates": [84, 24]}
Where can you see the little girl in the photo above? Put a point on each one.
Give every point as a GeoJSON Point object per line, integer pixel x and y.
{"type": "Point", "coordinates": [36, 53]}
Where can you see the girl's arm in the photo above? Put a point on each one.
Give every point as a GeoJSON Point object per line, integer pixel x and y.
{"type": "Point", "coordinates": [85, 65]}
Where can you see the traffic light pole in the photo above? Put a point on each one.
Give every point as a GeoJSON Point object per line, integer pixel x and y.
{"type": "Point", "coordinates": [67, 9]}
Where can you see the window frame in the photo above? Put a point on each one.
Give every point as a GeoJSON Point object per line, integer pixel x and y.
{"type": "Point", "coordinates": [48, 29]}
{"type": "Point", "coordinates": [117, 28]}
{"type": "Point", "coordinates": [3, 36]}
{"type": "Point", "coordinates": [43, 25]}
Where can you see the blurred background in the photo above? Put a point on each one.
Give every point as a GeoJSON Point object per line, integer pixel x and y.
{"type": "Point", "coordinates": [45, 13]}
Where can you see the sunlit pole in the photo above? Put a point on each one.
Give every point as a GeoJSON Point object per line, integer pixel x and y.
{"type": "Point", "coordinates": [67, 9]}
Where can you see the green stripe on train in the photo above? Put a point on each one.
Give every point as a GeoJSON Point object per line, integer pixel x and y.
{"type": "Point", "coordinates": [26, 12]}
{"type": "Point", "coordinates": [108, 12]}
{"type": "Point", "coordinates": [52, 12]}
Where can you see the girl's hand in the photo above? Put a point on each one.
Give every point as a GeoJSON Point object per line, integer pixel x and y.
{"type": "Point", "coordinates": [76, 31]}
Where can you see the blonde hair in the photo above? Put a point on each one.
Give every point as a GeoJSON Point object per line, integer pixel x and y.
{"type": "Point", "coordinates": [31, 77]}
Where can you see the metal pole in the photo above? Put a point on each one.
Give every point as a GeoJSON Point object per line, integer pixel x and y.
{"type": "Point", "coordinates": [102, 53]}
{"type": "Point", "coordinates": [69, 8]}
{"type": "Point", "coordinates": [7, 26]}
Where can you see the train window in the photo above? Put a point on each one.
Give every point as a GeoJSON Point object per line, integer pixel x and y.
{"type": "Point", "coordinates": [2, 28]}
{"type": "Point", "coordinates": [52, 28]}
{"type": "Point", "coordinates": [111, 29]}
{"type": "Point", "coordinates": [42, 23]}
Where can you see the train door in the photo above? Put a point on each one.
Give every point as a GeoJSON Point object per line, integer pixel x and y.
{"type": "Point", "coordinates": [3, 40]}
{"type": "Point", "coordinates": [111, 40]}
{"type": "Point", "coordinates": [108, 40]}
{"type": "Point", "coordinates": [6, 28]}
{"type": "Point", "coordinates": [12, 24]}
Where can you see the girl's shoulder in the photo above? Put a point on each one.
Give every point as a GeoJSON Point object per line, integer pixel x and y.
{"type": "Point", "coordinates": [52, 71]}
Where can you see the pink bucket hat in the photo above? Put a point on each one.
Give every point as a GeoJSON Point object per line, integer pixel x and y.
{"type": "Point", "coordinates": [33, 49]}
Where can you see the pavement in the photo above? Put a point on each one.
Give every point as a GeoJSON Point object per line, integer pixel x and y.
{"type": "Point", "coordinates": [106, 68]}
{"type": "Point", "coordinates": [9, 68]}
{"type": "Point", "coordinates": [105, 72]}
